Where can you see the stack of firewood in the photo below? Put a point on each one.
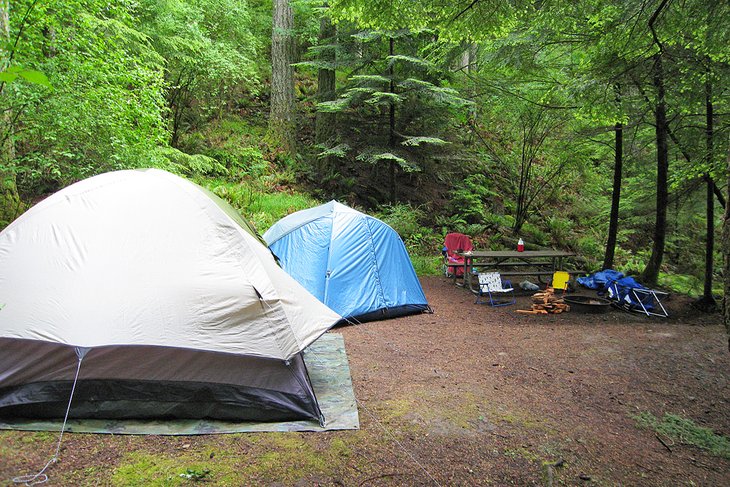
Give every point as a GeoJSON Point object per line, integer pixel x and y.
{"type": "Point", "coordinates": [545, 302]}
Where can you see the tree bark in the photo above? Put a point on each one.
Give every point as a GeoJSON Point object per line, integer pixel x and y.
{"type": "Point", "coordinates": [281, 122]}
{"type": "Point", "coordinates": [325, 123]}
{"type": "Point", "coordinates": [391, 126]}
{"type": "Point", "coordinates": [5, 139]}
{"type": "Point", "coordinates": [7, 146]}
{"type": "Point", "coordinates": [10, 204]}
{"type": "Point", "coordinates": [4, 32]}
{"type": "Point", "coordinates": [707, 303]}
{"type": "Point", "coordinates": [726, 256]}
{"type": "Point", "coordinates": [616, 195]}
{"type": "Point", "coordinates": [651, 272]}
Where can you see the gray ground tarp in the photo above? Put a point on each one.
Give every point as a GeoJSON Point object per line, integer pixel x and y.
{"type": "Point", "coordinates": [329, 373]}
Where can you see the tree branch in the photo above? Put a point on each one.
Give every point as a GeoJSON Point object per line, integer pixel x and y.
{"type": "Point", "coordinates": [652, 20]}
{"type": "Point", "coordinates": [465, 10]}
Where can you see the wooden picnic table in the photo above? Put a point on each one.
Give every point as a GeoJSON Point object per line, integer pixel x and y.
{"type": "Point", "coordinates": [538, 263]}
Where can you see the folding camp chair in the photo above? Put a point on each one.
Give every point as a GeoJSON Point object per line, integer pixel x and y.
{"type": "Point", "coordinates": [560, 280]}
{"type": "Point", "coordinates": [490, 283]}
{"type": "Point", "coordinates": [453, 263]}
{"type": "Point", "coordinates": [632, 296]}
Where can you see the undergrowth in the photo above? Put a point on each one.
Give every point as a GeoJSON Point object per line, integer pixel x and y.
{"type": "Point", "coordinates": [686, 432]}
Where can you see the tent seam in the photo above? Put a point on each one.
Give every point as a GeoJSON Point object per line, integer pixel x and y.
{"type": "Point", "coordinates": [368, 219]}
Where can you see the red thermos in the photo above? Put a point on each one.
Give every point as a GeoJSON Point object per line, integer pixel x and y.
{"type": "Point", "coordinates": [520, 245]}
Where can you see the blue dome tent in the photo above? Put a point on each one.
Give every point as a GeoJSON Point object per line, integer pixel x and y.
{"type": "Point", "coordinates": [352, 262]}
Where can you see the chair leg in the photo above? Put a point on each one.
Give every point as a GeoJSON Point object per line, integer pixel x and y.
{"type": "Point", "coordinates": [496, 302]}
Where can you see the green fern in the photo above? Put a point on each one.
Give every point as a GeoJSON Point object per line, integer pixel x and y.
{"type": "Point", "coordinates": [340, 150]}
{"type": "Point", "coordinates": [413, 61]}
{"type": "Point", "coordinates": [417, 141]}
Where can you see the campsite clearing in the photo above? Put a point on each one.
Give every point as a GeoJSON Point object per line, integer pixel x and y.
{"type": "Point", "coordinates": [476, 395]}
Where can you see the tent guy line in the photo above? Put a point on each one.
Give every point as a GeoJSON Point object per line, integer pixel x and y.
{"type": "Point", "coordinates": [41, 476]}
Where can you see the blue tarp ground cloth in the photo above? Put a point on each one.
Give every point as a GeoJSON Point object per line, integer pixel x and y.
{"type": "Point", "coordinates": [352, 262]}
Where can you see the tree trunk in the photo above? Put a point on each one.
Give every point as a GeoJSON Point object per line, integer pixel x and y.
{"type": "Point", "coordinates": [5, 139]}
{"type": "Point", "coordinates": [281, 123]}
{"type": "Point", "coordinates": [726, 256]}
{"type": "Point", "coordinates": [616, 196]}
{"type": "Point", "coordinates": [325, 123]}
{"type": "Point", "coordinates": [7, 146]}
{"type": "Point", "coordinates": [4, 32]}
{"type": "Point", "coordinates": [651, 272]}
{"type": "Point", "coordinates": [391, 127]}
{"type": "Point", "coordinates": [10, 204]}
{"type": "Point", "coordinates": [707, 302]}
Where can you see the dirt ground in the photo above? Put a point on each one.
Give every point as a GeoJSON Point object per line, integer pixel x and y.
{"type": "Point", "coordinates": [468, 395]}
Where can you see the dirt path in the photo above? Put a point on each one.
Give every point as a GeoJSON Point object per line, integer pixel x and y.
{"type": "Point", "coordinates": [504, 393]}
{"type": "Point", "coordinates": [469, 395]}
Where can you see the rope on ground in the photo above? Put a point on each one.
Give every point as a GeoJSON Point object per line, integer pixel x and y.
{"type": "Point", "coordinates": [41, 477]}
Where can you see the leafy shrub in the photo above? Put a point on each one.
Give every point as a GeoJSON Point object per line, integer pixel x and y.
{"type": "Point", "coordinates": [592, 250]}
{"type": "Point", "coordinates": [560, 230]}
{"type": "Point", "coordinates": [190, 165]}
{"type": "Point", "coordinates": [241, 161]}
{"type": "Point", "coordinates": [532, 234]}
{"type": "Point", "coordinates": [685, 284]}
{"type": "Point", "coordinates": [497, 220]}
{"type": "Point", "coordinates": [471, 202]}
{"type": "Point", "coordinates": [426, 265]}
{"type": "Point", "coordinates": [631, 263]}
{"type": "Point", "coordinates": [403, 218]}
{"type": "Point", "coordinates": [260, 206]}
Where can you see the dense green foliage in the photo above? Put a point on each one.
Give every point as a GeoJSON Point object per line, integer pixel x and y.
{"type": "Point", "coordinates": [104, 108]}
{"type": "Point", "coordinates": [491, 118]}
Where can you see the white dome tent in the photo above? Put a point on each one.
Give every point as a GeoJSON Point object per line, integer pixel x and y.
{"type": "Point", "coordinates": [175, 308]}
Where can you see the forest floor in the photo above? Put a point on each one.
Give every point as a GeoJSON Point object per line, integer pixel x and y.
{"type": "Point", "coordinates": [469, 395]}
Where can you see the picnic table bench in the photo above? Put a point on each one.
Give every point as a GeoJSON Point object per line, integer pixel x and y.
{"type": "Point", "coordinates": [537, 263]}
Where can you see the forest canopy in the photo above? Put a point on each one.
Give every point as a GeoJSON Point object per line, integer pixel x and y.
{"type": "Point", "coordinates": [596, 126]}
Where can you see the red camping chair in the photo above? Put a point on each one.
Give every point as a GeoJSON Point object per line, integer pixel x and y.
{"type": "Point", "coordinates": [454, 264]}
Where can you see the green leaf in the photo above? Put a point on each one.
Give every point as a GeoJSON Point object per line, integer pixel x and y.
{"type": "Point", "coordinates": [414, 61]}
{"type": "Point", "coordinates": [380, 96]}
{"type": "Point", "coordinates": [417, 141]}
{"type": "Point", "coordinates": [371, 78]}
{"type": "Point", "coordinates": [36, 77]}
{"type": "Point", "coordinates": [8, 77]}
{"type": "Point", "coordinates": [339, 150]}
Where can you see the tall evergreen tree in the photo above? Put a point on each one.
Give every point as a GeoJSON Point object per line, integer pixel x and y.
{"type": "Point", "coordinates": [393, 116]}
{"type": "Point", "coordinates": [326, 88]}
{"type": "Point", "coordinates": [281, 119]}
